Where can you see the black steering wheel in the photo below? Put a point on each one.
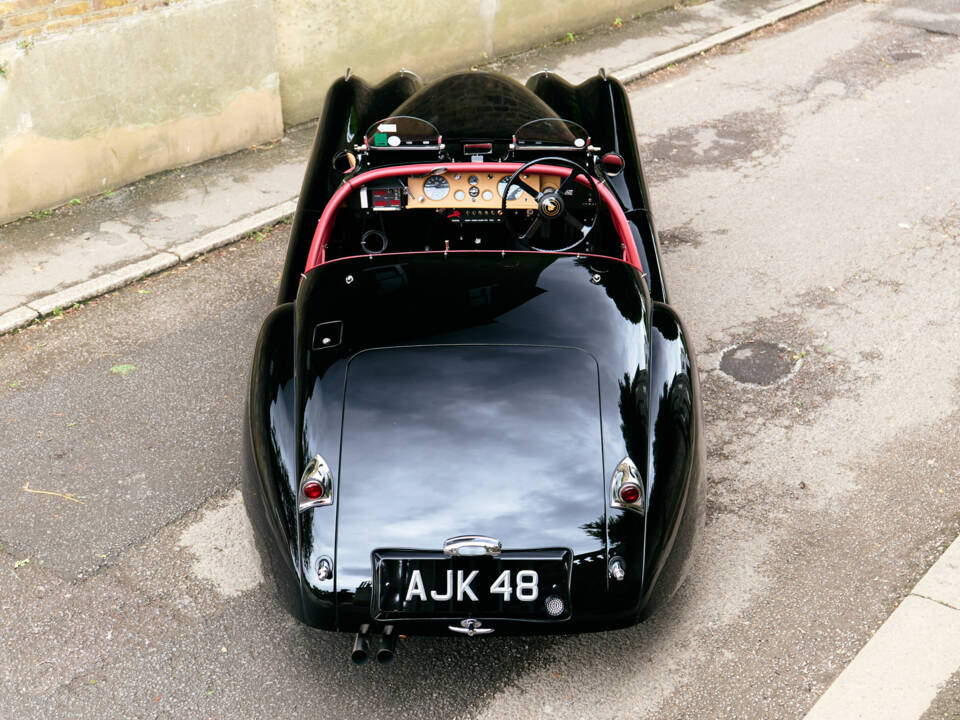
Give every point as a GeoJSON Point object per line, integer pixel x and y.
{"type": "Point", "coordinates": [574, 203]}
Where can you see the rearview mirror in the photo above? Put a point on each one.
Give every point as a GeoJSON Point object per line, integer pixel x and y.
{"type": "Point", "coordinates": [612, 164]}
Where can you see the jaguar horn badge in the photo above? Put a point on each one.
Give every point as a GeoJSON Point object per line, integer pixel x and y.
{"type": "Point", "coordinates": [550, 206]}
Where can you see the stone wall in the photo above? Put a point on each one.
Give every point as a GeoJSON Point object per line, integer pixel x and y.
{"type": "Point", "coordinates": [98, 93]}
{"type": "Point", "coordinates": [94, 106]}
{"type": "Point", "coordinates": [319, 39]}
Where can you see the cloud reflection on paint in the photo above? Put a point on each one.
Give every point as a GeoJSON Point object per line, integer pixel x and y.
{"type": "Point", "coordinates": [442, 441]}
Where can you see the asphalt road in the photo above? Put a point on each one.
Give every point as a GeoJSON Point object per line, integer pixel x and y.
{"type": "Point", "coordinates": [807, 193]}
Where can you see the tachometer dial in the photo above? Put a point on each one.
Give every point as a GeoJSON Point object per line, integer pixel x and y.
{"type": "Point", "coordinates": [515, 191]}
{"type": "Point", "coordinates": [436, 187]}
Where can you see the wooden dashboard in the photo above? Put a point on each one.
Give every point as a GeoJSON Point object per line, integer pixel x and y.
{"type": "Point", "coordinates": [473, 190]}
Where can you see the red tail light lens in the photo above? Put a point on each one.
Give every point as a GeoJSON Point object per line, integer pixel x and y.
{"type": "Point", "coordinates": [313, 490]}
{"type": "Point", "coordinates": [629, 493]}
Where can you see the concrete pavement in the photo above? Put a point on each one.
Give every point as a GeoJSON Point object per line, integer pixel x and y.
{"type": "Point", "coordinates": [900, 672]}
{"type": "Point", "coordinates": [91, 247]}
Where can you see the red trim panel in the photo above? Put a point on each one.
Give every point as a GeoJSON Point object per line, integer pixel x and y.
{"type": "Point", "coordinates": [325, 224]}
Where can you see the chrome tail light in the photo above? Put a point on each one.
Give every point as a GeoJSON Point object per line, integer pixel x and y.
{"type": "Point", "coordinates": [626, 487]}
{"type": "Point", "coordinates": [316, 485]}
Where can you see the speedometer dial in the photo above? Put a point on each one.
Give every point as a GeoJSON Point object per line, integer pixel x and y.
{"type": "Point", "coordinates": [436, 187]}
{"type": "Point", "coordinates": [515, 191]}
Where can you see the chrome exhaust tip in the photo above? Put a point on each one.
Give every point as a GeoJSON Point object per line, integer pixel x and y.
{"type": "Point", "coordinates": [361, 646]}
{"type": "Point", "coordinates": [388, 647]}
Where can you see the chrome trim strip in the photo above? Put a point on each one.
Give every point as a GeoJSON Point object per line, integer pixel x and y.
{"type": "Point", "coordinates": [406, 147]}
{"type": "Point", "coordinates": [472, 545]}
{"type": "Point", "coordinates": [551, 148]}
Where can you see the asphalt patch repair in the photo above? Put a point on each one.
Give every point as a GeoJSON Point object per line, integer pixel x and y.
{"type": "Point", "coordinates": [757, 362]}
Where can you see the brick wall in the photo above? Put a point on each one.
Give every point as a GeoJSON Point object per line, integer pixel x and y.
{"type": "Point", "coordinates": [31, 19]}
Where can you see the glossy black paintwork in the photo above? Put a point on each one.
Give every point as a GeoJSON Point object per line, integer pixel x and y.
{"type": "Point", "coordinates": [508, 436]}
{"type": "Point", "coordinates": [495, 440]}
{"type": "Point", "coordinates": [269, 455]}
{"type": "Point", "coordinates": [485, 309]}
{"type": "Point", "coordinates": [479, 299]}
{"type": "Point", "coordinates": [508, 305]}
{"type": "Point", "coordinates": [676, 508]}
{"type": "Point", "coordinates": [476, 106]}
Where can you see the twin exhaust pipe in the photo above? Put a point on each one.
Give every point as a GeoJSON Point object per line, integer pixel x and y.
{"type": "Point", "coordinates": [361, 646]}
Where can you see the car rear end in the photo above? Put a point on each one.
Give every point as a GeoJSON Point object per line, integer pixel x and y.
{"type": "Point", "coordinates": [479, 427]}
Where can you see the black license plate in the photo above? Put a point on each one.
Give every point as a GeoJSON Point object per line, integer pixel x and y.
{"type": "Point", "coordinates": [531, 585]}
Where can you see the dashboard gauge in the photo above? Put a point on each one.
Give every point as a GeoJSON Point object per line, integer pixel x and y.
{"type": "Point", "coordinates": [473, 179]}
{"type": "Point", "coordinates": [459, 195]}
{"type": "Point", "coordinates": [487, 195]}
{"type": "Point", "coordinates": [436, 187]}
{"type": "Point", "coordinates": [515, 191]}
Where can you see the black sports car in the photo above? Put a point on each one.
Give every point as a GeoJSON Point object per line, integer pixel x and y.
{"type": "Point", "coordinates": [472, 410]}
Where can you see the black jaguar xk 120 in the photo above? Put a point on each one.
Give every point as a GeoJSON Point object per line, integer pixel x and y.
{"type": "Point", "coordinates": [472, 410]}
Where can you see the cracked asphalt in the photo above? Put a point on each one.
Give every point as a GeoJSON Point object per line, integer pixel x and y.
{"type": "Point", "coordinates": [807, 191]}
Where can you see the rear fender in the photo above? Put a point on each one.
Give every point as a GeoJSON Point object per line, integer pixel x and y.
{"type": "Point", "coordinates": [269, 455]}
{"type": "Point", "coordinates": [675, 459]}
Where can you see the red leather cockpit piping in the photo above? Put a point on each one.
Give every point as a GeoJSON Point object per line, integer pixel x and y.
{"type": "Point", "coordinates": [325, 224]}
